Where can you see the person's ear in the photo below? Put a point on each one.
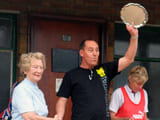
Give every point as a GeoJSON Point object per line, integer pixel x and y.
{"type": "Point", "coordinates": [81, 52]}
{"type": "Point", "coordinates": [25, 72]}
{"type": "Point", "coordinates": [129, 78]}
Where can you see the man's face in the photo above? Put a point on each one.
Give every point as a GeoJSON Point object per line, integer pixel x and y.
{"type": "Point", "coordinates": [90, 54]}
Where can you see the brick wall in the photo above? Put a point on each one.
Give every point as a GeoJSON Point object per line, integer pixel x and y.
{"type": "Point", "coordinates": [107, 9]}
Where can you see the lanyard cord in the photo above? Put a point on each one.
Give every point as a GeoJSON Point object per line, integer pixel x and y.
{"type": "Point", "coordinates": [104, 83]}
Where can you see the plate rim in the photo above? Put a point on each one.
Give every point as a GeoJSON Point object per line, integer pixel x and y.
{"type": "Point", "coordinates": [140, 6]}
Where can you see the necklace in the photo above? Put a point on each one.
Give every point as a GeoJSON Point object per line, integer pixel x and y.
{"type": "Point", "coordinates": [90, 76]}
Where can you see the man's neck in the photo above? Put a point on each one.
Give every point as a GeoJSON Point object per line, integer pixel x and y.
{"type": "Point", "coordinates": [86, 67]}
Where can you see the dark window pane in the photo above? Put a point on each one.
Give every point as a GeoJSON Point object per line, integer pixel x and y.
{"type": "Point", "coordinates": [5, 34]}
{"type": "Point", "coordinates": [149, 41]}
{"type": "Point", "coordinates": [5, 75]}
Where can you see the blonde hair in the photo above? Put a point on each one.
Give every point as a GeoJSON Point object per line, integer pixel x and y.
{"type": "Point", "coordinates": [138, 74]}
{"type": "Point", "coordinates": [26, 58]}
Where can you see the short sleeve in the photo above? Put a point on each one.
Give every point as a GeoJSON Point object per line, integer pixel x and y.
{"type": "Point", "coordinates": [146, 101]}
{"type": "Point", "coordinates": [116, 100]}
{"type": "Point", "coordinates": [111, 69]}
{"type": "Point", "coordinates": [65, 88]}
{"type": "Point", "coordinates": [22, 100]}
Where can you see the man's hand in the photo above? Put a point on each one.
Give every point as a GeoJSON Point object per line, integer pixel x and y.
{"type": "Point", "coordinates": [132, 30]}
{"type": "Point", "coordinates": [56, 117]}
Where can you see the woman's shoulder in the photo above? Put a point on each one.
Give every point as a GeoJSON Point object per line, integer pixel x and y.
{"type": "Point", "coordinates": [117, 91]}
{"type": "Point", "coordinates": [21, 87]}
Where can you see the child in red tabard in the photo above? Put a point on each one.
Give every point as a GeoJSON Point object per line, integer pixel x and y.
{"type": "Point", "coordinates": [130, 102]}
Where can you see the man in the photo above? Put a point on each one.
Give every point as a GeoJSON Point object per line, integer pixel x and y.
{"type": "Point", "coordinates": [130, 102]}
{"type": "Point", "coordinates": [88, 85]}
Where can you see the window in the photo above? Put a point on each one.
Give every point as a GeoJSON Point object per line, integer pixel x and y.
{"type": "Point", "coordinates": [7, 55]}
{"type": "Point", "coordinates": [148, 56]}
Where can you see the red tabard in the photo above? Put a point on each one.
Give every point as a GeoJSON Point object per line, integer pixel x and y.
{"type": "Point", "coordinates": [130, 109]}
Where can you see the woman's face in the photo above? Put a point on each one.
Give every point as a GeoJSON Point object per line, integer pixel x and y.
{"type": "Point", "coordinates": [35, 71]}
{"type": "Point", "coordinates": [135, 86]}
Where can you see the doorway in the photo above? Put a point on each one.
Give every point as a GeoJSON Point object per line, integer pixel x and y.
{"type": "Point", "coordinates": [47, 34]}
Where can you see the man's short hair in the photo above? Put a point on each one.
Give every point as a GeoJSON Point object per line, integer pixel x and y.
{"type": "Point", "coordinates": [82, 44]}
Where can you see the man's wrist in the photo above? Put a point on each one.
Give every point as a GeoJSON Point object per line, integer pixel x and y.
{"type": "Point", "coordinates": [134, 37]}
{"type": "Point", "coordinates": [56, 117]}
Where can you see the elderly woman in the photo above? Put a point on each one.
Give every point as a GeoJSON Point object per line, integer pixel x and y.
{"type": "Point", "coordinates": [28, 101]}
